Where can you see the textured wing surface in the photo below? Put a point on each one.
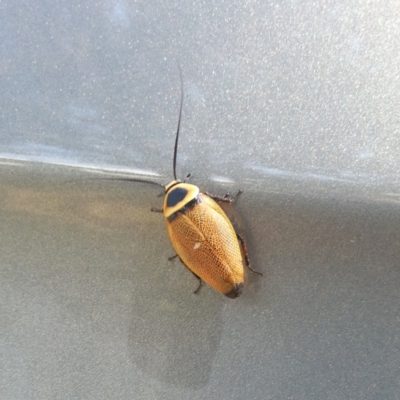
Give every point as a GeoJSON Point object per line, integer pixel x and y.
{"type": "Point", "coordinates": [207, 243]}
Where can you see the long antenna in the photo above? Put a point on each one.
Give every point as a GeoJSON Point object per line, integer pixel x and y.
{"type": "Point", "coordinates": [121, 178]}
{"type": "Point", "coordinates": [179, 125]}
{"type": "Point", "coordinates": [132, 180]}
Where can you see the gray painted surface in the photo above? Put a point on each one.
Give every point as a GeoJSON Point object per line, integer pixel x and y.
{"type": "Point", "coordinates": [296, 102]}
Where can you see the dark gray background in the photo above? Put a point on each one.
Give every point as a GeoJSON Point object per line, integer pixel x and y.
{"type": "Point", "coordinates": [296, 102]}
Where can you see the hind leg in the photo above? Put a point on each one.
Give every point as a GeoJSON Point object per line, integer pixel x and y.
{"type": "Point", "coordinates": [246, 255]}
{"type": "Point", "coordinates": [201, 283]}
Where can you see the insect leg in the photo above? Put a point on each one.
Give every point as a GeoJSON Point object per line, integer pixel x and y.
{"type": "Point", "coordinates": [227, 198]}
{"type": "Point", "coordinates": [159, 210]}
{"type": "Point", "coordinates": [246, 255]}
{"type": "Point", "coordinates": [201, 283]}
{"type": "Point", "coordinates": [240, 191]}
{"type": "Point", "coordinates": [200, 280]}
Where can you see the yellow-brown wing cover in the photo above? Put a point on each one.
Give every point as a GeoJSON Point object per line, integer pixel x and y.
{"type": "Point", "coordinates": [206, 242]}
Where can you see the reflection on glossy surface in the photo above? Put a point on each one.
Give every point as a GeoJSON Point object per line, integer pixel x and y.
{"type": "Point", "coordinates": [291, 87]}
{"type": "Point", "coordinates": [296, 102]}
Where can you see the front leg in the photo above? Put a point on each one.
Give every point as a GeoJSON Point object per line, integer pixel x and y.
{"type": "Point", "coordinates": [227, 198]}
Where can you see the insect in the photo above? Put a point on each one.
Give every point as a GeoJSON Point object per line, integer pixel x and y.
{"type": "Point", "coordinates": [201, 233]}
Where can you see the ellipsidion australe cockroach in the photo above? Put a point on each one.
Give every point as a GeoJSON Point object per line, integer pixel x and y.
{"type": "Point", "coordinates": [201, 233]}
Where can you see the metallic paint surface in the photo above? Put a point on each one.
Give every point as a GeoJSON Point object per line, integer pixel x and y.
{"type": "Point", "coordinates": [295, 102]}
